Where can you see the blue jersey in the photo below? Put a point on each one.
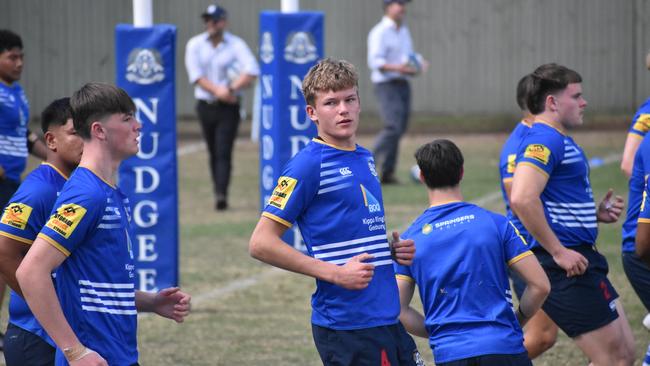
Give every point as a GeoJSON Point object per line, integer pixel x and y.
{"type": "Point", "coordinates": [644, 211]}
{"type": "Point", "coordinates": [460, 267]}
{"type": "Point", "coordinates": [22, 220]}
{"type": "Point", "coordinates": [507, 163]}
{"type": "Point", "coordinates": [641, 121]}
{"type": "Point", "coordinates": [14, 116]}
{"type": "Point", "coordinates": [568, 200]}
{"type": "Point", "coordinates": [640, 171]}
{"type": "Point", "coordinates": [335, 197]}
{"type": "Point", "coordinates": [90, 225]}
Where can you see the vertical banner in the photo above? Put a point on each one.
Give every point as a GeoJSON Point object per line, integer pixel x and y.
{"type": "Point", "coordinates": [290, 43]}
{"type": "Point", "coordinates": [145, 68]}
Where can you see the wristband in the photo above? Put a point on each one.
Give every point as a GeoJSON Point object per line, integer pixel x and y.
{"type": "Point", "coordinates": [76, 353]}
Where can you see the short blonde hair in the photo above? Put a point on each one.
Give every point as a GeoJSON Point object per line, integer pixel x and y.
{"type": "Point", "coordinates": [329, 75]}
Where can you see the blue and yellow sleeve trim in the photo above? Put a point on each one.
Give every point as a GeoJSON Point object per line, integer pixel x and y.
{"type": "Point", "coordinates": [644, 220]}
{"type": "Point", "coordinates": [534, 166]}
{"type": "Point", "coordinates": [519, 257]}
{"type": "Point", "coordinates": [404, 278]}
{"type": "Point", "coordinates": [55, 244]}
{"type": "Point", "coordinates": [277, 219]}
{"type": "Point", "coordinates": [16, 238]}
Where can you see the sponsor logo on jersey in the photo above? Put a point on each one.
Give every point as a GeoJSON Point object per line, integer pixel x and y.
{"type": "Point", "coordinates": [371, 166]}
{"type": "Point", "coordinates": [510, 168]}
{"type": "Point", "coordinates": [427, 229]}
{"type": "Point", "coordinates": [538, 152]}
{"type": "Point", "coordinates": [642, 124]}
{"type": "Point", "coordinates": [370, 201]}
{"type": "Point", "coordinates": [66, 218]}
{"type": "Point", "coordinates": [282, 192]}
{"type": "Point", "coordinates": [345, 171]}
{"type": "Point", "coordinates": [16, 215]}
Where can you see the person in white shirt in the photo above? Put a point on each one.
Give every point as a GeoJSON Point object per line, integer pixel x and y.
{"type": "Point", "coordinates": [392, 61]}
{"type": "Point", "coordinates": [219, 65]}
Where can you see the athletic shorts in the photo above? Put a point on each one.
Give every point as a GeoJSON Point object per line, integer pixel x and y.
{"type": "Point", "coordinates": [520, 359]}
{"type": "Point", "coordinates": [385, 345]}
{"type": "Point", "coordinates": [638, 273]}
{"type": "Point", "coordinates": [22, 348]}
{"type": "Point", "coordinates": [579, 304]}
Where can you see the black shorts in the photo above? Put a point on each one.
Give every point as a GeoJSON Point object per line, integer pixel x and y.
{"type": "Point", "coordinates": [22, 348]}
{"type": "Point", "coordinates": [579, 304]}
{"type": "Point", "coordinates": [366, 347]}
{"type": "Point", "coordinates": [638, 273]}
{"type": "Point", "coordinates": [520, 359]}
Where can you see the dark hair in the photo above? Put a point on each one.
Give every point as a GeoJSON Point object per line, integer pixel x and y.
{"type": "Point", "coordinates": [56, 113]}
{"type": "Point", "coordinates": [548, 79]}
{"type": "Point", "coordinates": [523, 89]}
{"type": "Point", "coordinates": [94, 102]}
{"type": "Point", "coordinates": [9, 40]}
{"type": "Point", "coordinates": [441, 163]}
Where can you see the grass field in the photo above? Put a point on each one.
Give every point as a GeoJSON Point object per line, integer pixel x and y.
{"type": "Point", "coordinates": [247, 313]}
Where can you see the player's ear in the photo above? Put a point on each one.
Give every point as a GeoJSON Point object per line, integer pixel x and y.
{"type": "Point", "coordinates": [311, 113]}
{"type": "Point", "coordinates": [97, 130]}
{"type": "Point", "coordinates": [50, 140]}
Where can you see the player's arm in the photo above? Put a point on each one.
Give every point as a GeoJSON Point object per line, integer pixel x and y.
{"type": "Point", "coordinates": [643, 241]}
{"type": "Point", "coordinates": [411, 319]}
{"type": "Point", "coordinates": [35, 146]}
{"type": "Point", "coordinates": [12, 253]}
{"type": "Point", "coordinates": [196, 75]}
{"type": "Point", "coordinates": [527, 186]}
{"type": "Point", "coordinates": [34, 277]}
{"type": "Point", "coordinates": [537, 287]}
{"type": "Point", "coordinates": [250, 68]}
{"type": "Point", "coordinates": [629, 151]}
{"type": "Point", "coordinates": [171, 303]}
{"type": "Point", "coordinates": [267, 246]}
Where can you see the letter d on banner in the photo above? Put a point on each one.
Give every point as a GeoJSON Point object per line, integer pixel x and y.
{"type": "Point", "coordinates": [145, 69]}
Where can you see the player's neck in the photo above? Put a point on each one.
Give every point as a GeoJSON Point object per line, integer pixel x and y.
{"type": "Point", "coordinates": [439, 197]}
{"type": "Point", "coordinates": [551, 120]}
{"type": "Point", "coordinates": [7, 82]}
{"type": "Point", "coordinates": [100, 161]}
{"type": "Point", "coordinates": [59, 164]}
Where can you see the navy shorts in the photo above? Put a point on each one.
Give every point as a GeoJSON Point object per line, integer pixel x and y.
{"type": "Point", "coordinates": [23, 348]}
{"type": "Point", "coordinates": [520, 359]}
{"type": "Point", "coordinates": [638, 273]}
{"type": "Point", "coordinates": [579, 304]}
{"type": "Point", "coordinates": [389, 344]}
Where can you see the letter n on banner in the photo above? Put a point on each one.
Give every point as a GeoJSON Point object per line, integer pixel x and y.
{"type": "Point", "coordinates": [145, 68]}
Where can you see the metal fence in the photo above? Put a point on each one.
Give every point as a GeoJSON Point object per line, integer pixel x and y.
{"type": "Point", "coordinates": [478, 49]}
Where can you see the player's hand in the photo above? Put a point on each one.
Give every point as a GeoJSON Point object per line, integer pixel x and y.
{"type": "Point", "coordinates": [355, 275]}
{"type": "Point", "coordinates": [571, 261]}
{"type": "Point", "coordinates": [609, 210]}
{"type": "Point", "coordinates": [172, 303]}
{"type": "Point", "coordinates": [91, 359]}
{"type": "Point", "coordinates": [223, 94]}
{"type": "Point", "coordinates": [403, 251]}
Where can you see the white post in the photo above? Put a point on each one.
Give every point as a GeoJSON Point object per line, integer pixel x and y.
{"type": "Point", "coordinates": [290, 6]}
{"type": "Point", "coordinates": [142, 13]}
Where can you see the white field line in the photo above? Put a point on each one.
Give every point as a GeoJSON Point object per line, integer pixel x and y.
{"type": "Point", "coordinates": [244, 283]}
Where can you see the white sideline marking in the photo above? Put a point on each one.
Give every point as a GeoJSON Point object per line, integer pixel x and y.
{"type": "Point", "coordinates": [190, 148]}
{"type": "Point", "coordinates": [244, 283]}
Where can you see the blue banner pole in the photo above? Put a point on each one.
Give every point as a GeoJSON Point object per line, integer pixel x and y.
{"type": "Point", "coordinates": [145, 68]}
{"type": "Point", "coordinates": [290, 44]}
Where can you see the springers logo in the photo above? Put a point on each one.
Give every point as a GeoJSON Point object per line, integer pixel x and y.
{"type": "Point", "coordinates": [266, 48]}
{"type": "Point", "coordinates": [300, 48]}
{"type": "Point", "coordinates": [145, 66]}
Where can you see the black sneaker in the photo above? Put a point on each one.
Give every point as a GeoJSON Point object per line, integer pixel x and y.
{"type": "Point", "coordinates": [221, 205]}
